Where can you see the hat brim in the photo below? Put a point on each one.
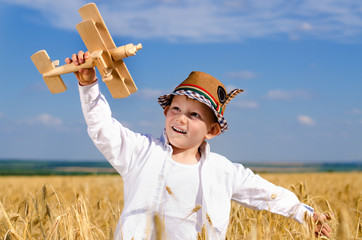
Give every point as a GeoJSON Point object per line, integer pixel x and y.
{"type": "Point", "coordinates": [165, 101]}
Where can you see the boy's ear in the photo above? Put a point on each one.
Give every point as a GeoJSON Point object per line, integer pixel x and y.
{"type": "Point", "coordinates": [214, 131]}
{"type": "Point", "coordinates": [165, 110]}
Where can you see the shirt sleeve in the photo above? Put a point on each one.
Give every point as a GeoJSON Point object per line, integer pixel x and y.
{"type": "Point", "coordinates": [118, 144]}
{"type": "Point", "coordinates": [252, 191]}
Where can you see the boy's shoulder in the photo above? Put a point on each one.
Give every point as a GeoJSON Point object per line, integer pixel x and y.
{"type": "Point", "coordinates": [219, 160]}
{"type": "Point", "coordinates": [222, 169]}
{"type": "Point", "coordinates": [214, 155]}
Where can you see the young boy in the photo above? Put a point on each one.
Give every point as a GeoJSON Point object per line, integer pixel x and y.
{"type": "Point", "coordinates": [176, 176]}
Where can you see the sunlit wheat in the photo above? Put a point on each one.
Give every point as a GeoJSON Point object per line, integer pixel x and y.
{"type": "Point", "coordinates": [88, 208]}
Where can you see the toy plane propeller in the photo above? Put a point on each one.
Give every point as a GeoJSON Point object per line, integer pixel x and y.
{"type": "Point", "coordinates": [105, 56]}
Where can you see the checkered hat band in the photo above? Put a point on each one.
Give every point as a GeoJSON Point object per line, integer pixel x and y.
{"type": "Point", "coordinates": [203, 92]}
{"type": "Point", "coordinates": [164, 101]}
{"type": "Point", "coordinates": [194, 95]}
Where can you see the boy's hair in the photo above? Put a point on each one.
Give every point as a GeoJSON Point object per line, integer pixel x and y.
{"type": "Point", "coordinates": [206, 89]}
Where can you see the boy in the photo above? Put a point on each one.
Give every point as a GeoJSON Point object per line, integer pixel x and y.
{"type": "Point", "coordinates": [176, 176]}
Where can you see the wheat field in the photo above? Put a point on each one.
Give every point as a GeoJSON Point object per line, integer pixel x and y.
{"type": "Point", "coordinates": [88, 207]}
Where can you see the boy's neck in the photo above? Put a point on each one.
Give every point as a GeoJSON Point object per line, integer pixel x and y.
{"type": "Point", "coordinates": [188, 156]}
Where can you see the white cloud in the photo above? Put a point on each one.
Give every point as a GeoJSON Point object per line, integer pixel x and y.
{"type": "Point", "coordinates": [357, 111]}
{"type": "Point", "coordinates": [306, 120]}
{"type": "Point", "coordinates": [67, 18]}
{"type": "Point", "coordinates": [44, 119]}
{"type": "Point", "coordinates": [306, 26]}
{"type": "Point", "coordinates": [49, 120]}
{"type": "Point", "coordinates": [213, 20]}
{"type": "Point", "coordinates": [241, 75]}
{"type": "Point", "coordinates": [2, 114]}
{"type": "Point", "coordinates": [279, 94]}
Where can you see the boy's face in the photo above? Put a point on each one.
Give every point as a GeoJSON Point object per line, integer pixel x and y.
{"type": "Point", "coordinates": [189, 122]}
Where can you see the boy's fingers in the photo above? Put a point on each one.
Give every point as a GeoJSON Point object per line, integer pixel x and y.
{"type": "Point", "coordinates": [81, 57]}
{"type": "Point", "coordinates": [75, 59]}
{"type": "Point", "coordinates": [68, 60]}
{"type": "Point", "coordinates": [327, 227]}
{"type": "Point", "coordinates": [324, 230]}
{"type": "Point", "coordinates": [325, 233]}
{"type": "Point", "coordinates": [322, 227]}
{"type": "Point", "coordinates": [84, 75]}
{"type": "Point", "coordinates": [321, 218]}
{"type": "Point", "coordinates": [86, 55]}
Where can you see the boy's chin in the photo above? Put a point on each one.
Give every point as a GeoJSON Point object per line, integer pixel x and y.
{"type": "Point", "coordinates": [177, 143]}
{"type": "Point", "coordinates": [171, 134]}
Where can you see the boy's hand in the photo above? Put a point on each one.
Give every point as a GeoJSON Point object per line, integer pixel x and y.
{"type": "Point", "coordinates": [322, 227]}
{"type": "Point", "coordinates": [85, 76]}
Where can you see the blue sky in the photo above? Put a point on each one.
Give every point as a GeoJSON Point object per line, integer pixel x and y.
{"type": "Point", "coordinates": [299, 62]}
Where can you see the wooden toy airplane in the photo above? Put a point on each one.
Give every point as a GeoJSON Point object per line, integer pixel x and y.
{"type": "Point", "coordinates": [104, 55]}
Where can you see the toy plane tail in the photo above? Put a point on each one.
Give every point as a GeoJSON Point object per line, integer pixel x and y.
{"type": "Point", "coordinates": [43, 63]}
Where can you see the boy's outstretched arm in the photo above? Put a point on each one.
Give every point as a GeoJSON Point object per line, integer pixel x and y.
{"type": "Point", "coordinates": [85, 76]}
{"type": "Point", "coordinates": [322, 227]}
{"type": "Point", "coordinates": [254, 192]}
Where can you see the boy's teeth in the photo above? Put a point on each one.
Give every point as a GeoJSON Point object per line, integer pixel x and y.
{"type": "Point", "coordinates": [179, 130]}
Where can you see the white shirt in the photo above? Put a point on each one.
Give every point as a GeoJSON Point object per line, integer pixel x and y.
{"type": "Point", "coordinates": [141, 160]}
{"type": "Point", "coordinates": [181, 200]}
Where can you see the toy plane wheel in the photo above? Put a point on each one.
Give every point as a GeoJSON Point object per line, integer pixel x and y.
{"type": "Point", "coordinates": [43, 63]}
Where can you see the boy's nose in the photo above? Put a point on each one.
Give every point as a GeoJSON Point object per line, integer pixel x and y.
{"type": "Point", "coordinates": [182, 119]}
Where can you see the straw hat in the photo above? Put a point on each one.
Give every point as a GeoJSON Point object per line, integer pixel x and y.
{"type": "Point", "coordinates": [206, 89]}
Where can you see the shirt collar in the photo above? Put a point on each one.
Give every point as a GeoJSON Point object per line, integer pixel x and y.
{"type": "Point", "coordinates": [164, 139]}
{"type": "Point", "coordinates": [205, 150]}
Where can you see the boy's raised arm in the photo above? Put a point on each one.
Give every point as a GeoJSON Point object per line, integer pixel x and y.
{"type": "Point", "coordinates": [115, 142]}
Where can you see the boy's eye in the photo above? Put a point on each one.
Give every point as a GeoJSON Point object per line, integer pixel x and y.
{"type": "Point", "coordinates": [196, 115]}
{"type": "Point", "coordinates": [175, 109]}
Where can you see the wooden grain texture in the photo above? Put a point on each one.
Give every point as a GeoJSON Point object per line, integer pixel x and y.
{"type": "Point", "coordinates": [91, 12]}
{"type": "Point", "coordinates": [94, 42]}
{"type": "Point", "coordinates": [43, 63]}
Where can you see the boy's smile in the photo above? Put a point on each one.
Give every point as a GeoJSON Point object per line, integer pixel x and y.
{"type": "Point", "coordinates": [188, 123]}
{"type": "Point", "coordinates": [178, 130]}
